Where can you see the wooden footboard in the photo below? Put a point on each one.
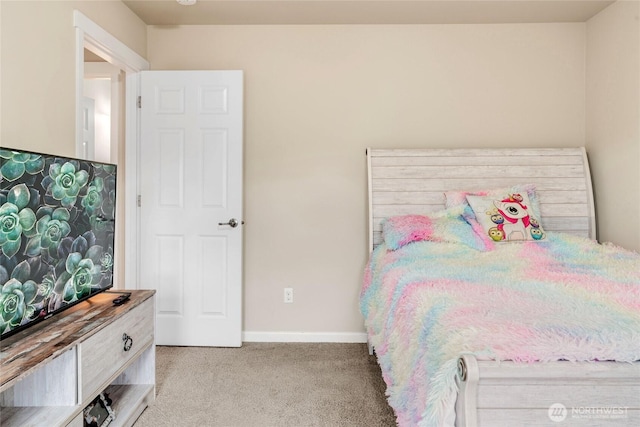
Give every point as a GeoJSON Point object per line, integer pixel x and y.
{"type": "Point", "coordinates": [541, 394]}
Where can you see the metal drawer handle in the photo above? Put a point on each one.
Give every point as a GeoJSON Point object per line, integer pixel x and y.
{"type": "Point", "coordinates": [128, 342]}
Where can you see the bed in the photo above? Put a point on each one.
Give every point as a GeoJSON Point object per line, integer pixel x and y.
{"type": "Point", "coordinates": [465, 338]}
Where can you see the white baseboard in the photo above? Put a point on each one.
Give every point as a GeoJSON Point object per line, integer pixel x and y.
{"type": "Point", "coordinates": [342, 337]}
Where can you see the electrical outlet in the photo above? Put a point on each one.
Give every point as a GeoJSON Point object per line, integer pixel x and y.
{"type": "Point", "coordinates": [288, 295]}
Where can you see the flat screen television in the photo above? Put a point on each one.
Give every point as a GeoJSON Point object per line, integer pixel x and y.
{"type": "Point", "coordinates": [57, 228]}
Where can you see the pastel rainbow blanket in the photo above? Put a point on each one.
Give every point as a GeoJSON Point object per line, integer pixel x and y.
{"type": "Point", "coordinates": [427, 302]}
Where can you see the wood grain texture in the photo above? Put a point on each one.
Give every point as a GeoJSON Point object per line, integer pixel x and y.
{"type": "Point", "coordinates": [38, 416]}
{"type": "Point", "coordinates": [539, 417]}
{"type": "Point", "coordinates": [52, 371]}
{"type": "Point", "coordinates": [413, 181]}
{"type": "Point", "coordinates": [494, 394]}
{"type": "Point", "coordinates": [24, 352]}
{"type": "Point", "coordinates": [53, 384]}
{"type": "Point", "coordinates": [135, 398]}
{"type": "Point", "coordinates": [103, 354]}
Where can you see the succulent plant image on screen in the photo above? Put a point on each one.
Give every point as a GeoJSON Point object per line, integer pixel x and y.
{"type": "Point", "coordinates": [57, 224]}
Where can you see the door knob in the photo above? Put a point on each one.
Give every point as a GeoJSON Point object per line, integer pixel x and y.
{"type": "Point", "coordinates": [233, 223]}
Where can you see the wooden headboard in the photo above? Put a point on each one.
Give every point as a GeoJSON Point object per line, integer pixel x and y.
{"type": "Point", "coordinates": [413, 181]}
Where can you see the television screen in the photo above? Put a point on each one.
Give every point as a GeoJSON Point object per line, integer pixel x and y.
{"type": "Point", "coordinates": [57, 227]}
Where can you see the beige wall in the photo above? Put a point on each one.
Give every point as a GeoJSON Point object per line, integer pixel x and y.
{"type": "Point", "coordinates": [37, 107]}
{"type": "Point", "coordinates": [38, 75]}
{"type": "Point", "coordinates": [316, 96]}
{"type": "Point", "coordinates": [613, 120]}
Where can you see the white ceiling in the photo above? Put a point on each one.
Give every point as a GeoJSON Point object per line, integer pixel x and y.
{"type": "Point", "coordinates": [256, 12]}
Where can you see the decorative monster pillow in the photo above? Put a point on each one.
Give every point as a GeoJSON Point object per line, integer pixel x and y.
{"type": "Point", "coordinates": [459, 198]}
{"type": "Point", "coordinates": [508, 218]}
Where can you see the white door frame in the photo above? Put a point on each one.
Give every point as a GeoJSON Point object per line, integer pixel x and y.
{"type": "Point", "coordinates": [91, 36]}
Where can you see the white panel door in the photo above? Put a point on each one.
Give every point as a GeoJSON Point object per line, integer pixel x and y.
{"type": "Point", "coordinates": [191, 204]}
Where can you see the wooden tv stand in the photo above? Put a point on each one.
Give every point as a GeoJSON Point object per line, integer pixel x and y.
{"type": "Point", "coordinates": [51, 371]}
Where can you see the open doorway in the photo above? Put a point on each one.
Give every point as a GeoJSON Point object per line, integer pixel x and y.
{"type": "Point", "coordinates": [103, 92]}
{"type": "Point", "coordinates": [92, 39]}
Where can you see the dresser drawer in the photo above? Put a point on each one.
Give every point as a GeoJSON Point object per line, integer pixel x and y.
{"type": "Point", "coordinates": [106, 352]}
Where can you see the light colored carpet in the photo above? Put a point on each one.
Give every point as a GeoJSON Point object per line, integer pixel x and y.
{"type": "Point", "coordinates": [268, 384]}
